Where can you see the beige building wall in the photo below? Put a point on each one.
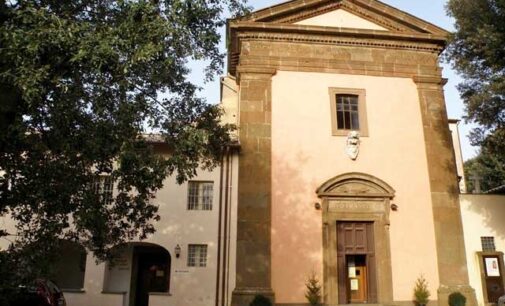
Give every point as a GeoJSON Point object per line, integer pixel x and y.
{"type": "Point", "coordinates": [189, 286]}
{"type": "Point", "coordinates": [7, 224]}
{"type": "Point", "coordinates": [483, 216]}
{"type": "Point", "coordinates": [230, 106]}
{"type": "Point", "coordinates": [229, 100]}
{"type": "Point", "coordinates": [305, 155]}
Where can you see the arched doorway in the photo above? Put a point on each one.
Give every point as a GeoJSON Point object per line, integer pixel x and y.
{"type": "Point", "coordinates": [356, 248]}
{"type": "Point", "coordinates": [150, 272]}
{"type": "Point", "coordinates": [137, 270]}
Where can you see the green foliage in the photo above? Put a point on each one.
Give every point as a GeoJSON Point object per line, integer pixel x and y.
{"type": "Point", "coordinates": [260, 300]}
{"type": "Point", "coordinates": [81, 82]}
{"type": "Point", "coordinates": [476, 52]}
{"type": "Point", "coordinates": [488, 168]}
{"type": "Point", "coordinates": [313, 293]}
{"type": "Point", "coordinates": [421, 292]}
{"type": "Point", "coordinates": [457, 299]}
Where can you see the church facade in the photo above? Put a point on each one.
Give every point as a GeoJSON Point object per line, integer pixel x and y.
{"type": "Point", "coordinates": [345, 168]}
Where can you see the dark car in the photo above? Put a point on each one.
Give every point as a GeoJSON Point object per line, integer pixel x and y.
{"type": "Point", "coordinates": [41, 292]}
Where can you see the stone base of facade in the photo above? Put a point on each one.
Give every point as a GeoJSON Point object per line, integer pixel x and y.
{"type": "Point", "coordinates": [444, 292]}
{"type": "Point", "coordinates": [431, 302]}
{"type": "Point", "coordinates": [244, 296]}
{"type": "Point", "coordinates": [465, 290]}
{"type": "Point", "coordinates": [395, 303]}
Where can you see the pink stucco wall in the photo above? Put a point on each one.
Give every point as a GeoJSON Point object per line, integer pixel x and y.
{"type": "Point", "coordinates": [305, 155]}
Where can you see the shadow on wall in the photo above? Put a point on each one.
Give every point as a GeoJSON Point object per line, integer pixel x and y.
{"type": "Point", "coordinates": [491, 208]}
{"type": "Point", "coordinates": [296, 228]}
{"type": "Point", "coordinates": [449, 163]}
{"type": "Point", "coordinates": [453, 190]}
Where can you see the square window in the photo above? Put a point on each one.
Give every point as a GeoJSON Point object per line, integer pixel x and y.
{"type": "Point", "coordinates": [197, 255]}
{"type": "Point", "coordinates": [488, 244]}
{"type": "Point", "coordinates": [348, 111]}
{"type": "Point", "coordinates": [200, 195]}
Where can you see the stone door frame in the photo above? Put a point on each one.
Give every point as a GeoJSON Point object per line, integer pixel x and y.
{"type": "Point", "coordinates": [356, 197]}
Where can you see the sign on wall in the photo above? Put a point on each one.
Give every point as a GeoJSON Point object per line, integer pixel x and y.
{"type": "Point", "coordinates": [492, 267]}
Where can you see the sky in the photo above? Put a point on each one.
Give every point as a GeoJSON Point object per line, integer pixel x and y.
{"type": "Point", "coordinates": [430, 10]}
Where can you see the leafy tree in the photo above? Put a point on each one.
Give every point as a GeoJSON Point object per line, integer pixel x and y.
{"type": "Point", "coordinates": [81, 82]}
{"type": "Point", "coordinates": [477, 53]}
{"type": "Point", "coordinates": [488, 168]}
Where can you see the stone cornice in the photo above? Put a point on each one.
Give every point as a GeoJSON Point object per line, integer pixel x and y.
{"type": "Point", "coordinates": [419, 79]}
{"type": "Point", "coordinates": [260, 31]}
{"type": "Point", "coordinates": [304, 33]}
{"type": "Point", "coordinates": [334, 31]}
{"type": "Point", "coordinates": [255, 72]}
{"type": "Point", "coordinates": [346, 195]}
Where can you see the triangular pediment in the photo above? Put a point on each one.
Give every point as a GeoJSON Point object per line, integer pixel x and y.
{"type": "Point", "coordinates": [340, 18]}
{"type": "Point", "coordinates": [358, 23]}
{"type": "Point", "coordinates": [354, 14]}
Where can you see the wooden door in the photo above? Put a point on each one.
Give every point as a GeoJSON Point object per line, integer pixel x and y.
{"type": "Point", "coordinates": [356, 263]}
{"type": "Point", "coordinates": [152, 273]}
{"type": "Point", "coordinates": [357, 286]}
{"type": "Point", "coordinates": [493, 278]}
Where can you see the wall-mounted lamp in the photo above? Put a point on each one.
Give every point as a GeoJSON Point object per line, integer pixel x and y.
{"type": "Point", "coordinates": [394, 207]}
{"type": "Point", "coordinates": [177, 251]}
{"type": "Point", "coordinates": [317, 206]}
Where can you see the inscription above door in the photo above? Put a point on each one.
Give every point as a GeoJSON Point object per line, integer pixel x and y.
{"type": "Point", "coordinates": [358, 206]}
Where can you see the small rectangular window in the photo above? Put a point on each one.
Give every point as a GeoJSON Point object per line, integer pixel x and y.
{"type": "Point", "coordinates": [348, 111]}
{"type": "Point", "coordinates": [104, 187]}
{"type": "Point", "coordinates": [197, 255]}
{"type": "Point", "coordinates": [200, 195]}
{"type": "Point", "coordinates": [488, 244]}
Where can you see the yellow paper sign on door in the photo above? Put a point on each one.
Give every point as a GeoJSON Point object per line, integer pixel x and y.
{"type": "Point", "coordinates": [354, 285]}
{"type": "Point", "coordinates": [352, 271]}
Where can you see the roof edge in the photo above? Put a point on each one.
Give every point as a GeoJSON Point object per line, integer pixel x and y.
{"type": "Point", "coordinates": [281, 10]}
{"type": "Point", "coordinates": [335, 31]}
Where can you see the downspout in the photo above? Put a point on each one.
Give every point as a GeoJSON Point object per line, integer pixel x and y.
{"type": "Point", "coordinates": [224, 281]}
{"type": "Point", "coordinates": [219, 230]}
{"type": "Point", "coordinates": [228, 234]}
